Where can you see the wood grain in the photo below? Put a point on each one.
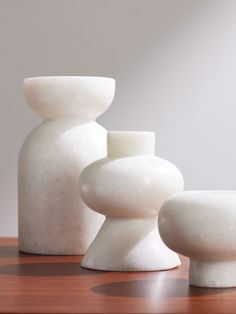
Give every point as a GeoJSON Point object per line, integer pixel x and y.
{"type": "Point", "coordinates": [57, 284]}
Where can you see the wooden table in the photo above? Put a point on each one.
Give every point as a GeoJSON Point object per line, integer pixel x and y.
{"type": "Point", "coordinates": [57, 284]}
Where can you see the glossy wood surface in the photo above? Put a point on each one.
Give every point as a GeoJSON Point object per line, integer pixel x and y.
{"type": "Point", "coordinates": [57, 284]}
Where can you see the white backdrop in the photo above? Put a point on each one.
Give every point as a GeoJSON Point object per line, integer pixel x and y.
{"type": "Point", "coordinates": [175, 67]}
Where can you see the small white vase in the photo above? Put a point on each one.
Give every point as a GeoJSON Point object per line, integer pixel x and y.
{"type": "Point", "coordinates": [201, 225]}
{"type": "Point", "coordinates": [52, 217]}
{"type": "Point", "coordinates": [129, 187]}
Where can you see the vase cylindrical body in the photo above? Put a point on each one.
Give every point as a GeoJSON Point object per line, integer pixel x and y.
{"type": "Point", "coordinates": [53, 219]}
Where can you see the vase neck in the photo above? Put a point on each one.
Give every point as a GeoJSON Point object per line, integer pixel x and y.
{"type": "Point", "coordinates": [125, 144]}
{"type": "Point", "coordinates": [76, 121]}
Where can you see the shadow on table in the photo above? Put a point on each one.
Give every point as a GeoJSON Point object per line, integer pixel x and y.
{"type": "Point", "coordinates": [13, 251]}
{"type": "Point", "coordinates": [46, 269]}
{"type": "Point", "coordinates": [147, 288]}
{"type": "Point", "coordinates": [9, 251]}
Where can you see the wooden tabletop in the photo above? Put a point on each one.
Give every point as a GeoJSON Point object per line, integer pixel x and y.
{"type": "Point", "coordinates": [57, 284]}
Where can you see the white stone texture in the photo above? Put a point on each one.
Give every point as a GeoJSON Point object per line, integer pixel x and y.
{"type": "Point", "coordinates": [202, 226]}
{"type": "Point", "coordinates": [129, 187]}
{"type": "Point", "coordinates": [53, 219]}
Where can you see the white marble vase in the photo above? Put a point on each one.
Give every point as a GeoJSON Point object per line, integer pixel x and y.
{"type": "Point", "coordinates": [129, 187]}
{"type": "Point", "coordinates": [52, 217]}
{"type": "Point", "coordinates": [202, 226]}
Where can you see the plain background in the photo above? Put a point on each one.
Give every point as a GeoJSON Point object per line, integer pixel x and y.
{"type": "Point", "coordinates": [175, 68]}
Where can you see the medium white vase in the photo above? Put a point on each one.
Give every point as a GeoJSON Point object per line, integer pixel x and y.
{"type": "Point", "coordinates": [202, 226]}
{"type": "Point", "coordinates": [129, 187]}
{"type": "Point", "coordinates": [52, 217]}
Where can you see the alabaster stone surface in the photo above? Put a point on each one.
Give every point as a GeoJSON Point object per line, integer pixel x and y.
{"type": "Point", "coordinates": [129, 187]}
{"type": "Point", "coordinates": [53, 219]}
{"type": "Point", "coordinates": [202, 226]}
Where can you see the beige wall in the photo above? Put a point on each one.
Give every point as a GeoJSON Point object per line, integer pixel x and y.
{"type": "Point", "coordinates": [175, 67]}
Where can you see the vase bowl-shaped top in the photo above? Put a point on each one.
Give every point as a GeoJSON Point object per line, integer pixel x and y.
{"type": "Point", "coordinates": [200, 224]}
{"type": "Point", "coordinates": [79, 97]}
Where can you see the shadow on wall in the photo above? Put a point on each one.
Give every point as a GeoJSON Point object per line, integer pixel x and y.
{"type": "Point", "coordinates": [173, 61]}
{"type": "Point", "coordinates": [84, 38]}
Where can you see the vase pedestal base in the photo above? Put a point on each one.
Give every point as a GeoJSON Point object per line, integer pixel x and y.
{"type": "Point", "coordinates": [212, 274]}
{"type": "Point", "coordinates": [129, 245]}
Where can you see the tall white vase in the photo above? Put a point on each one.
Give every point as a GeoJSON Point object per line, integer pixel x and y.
{"type": "Point", "coordinates": [129, 187]}
{"type": "Point", "coordinates": [52, 217]}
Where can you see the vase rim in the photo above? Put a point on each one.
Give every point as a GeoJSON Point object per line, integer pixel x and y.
{"type": "Point", "coordinates": [217, 191]}
{"type": "Point", "coordinates": [137, 133]}
{"type": "Point", "coordinates": [67, 77]}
